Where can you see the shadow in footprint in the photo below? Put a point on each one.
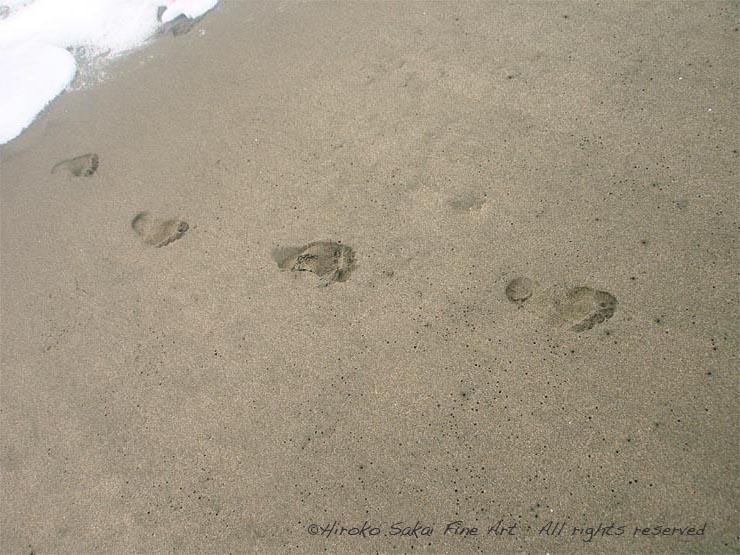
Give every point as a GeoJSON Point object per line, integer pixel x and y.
{"type": "Point", "coordinates": [81, 166]}
{"type": "Point", "coordinates": [330, 261]}
{"type": "Point", "coordinates": [158, 232]}
{"type": "Point", "coordinates": [577, 309]}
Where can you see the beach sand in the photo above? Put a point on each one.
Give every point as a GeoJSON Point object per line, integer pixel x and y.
{"type": "Point", "coordinates": [414, 159]}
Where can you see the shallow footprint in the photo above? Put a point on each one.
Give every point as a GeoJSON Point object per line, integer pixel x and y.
{"type": "Point", "coordinates": [158, 232]}
{"type": "Point", "coordinates": [519, 290]}
{"type": "Point", "coordinates": [466, 202]}
{"type": "Point", "coordinates": [81, 166]}
{"type": "Point", "coordinates": [329, 260]}
{"type": "Point", "coordinates": [577, 309]}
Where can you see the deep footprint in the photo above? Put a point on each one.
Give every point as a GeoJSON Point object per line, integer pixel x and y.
{"type": "Point", "coordinates": [81, 166]}
{"type": "Point", "coordinates": [330, 261]}
{"type": "Point", "coordinates": [158, 232]}
{"type": "Point", "coordinates": [577, 309]}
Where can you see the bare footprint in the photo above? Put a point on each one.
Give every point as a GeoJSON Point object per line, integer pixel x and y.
{"type": "Point", "coordinates": [577, 309]}
{"type": "Point", "coordinates": [330, 261]}
{"type": "Point", "coordinates": [81, 166]}
{"type": "Point", "coordinates": [467, 202]}
{"type": "Point", "coordinates": [158, 232]}
{"type": "Point", "coordinates": [519, 290]}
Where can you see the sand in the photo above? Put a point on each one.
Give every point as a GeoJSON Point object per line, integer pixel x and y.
{"type": "Point", "coordinates": [192, 388]}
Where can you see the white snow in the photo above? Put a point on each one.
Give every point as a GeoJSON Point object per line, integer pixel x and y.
{"type": "Point", "coordinates": [32, 74]}
{"type": "Point", "coordinates": [36, 37]}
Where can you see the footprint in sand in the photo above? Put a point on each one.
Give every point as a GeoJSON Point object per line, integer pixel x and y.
{"type": "Point", "coordinates": [158, 232]}
{"type": "Point", "coordinates": [82, 166]}
{"type": "Point", "coordinates": [467, 202]}
{"type": "Point", "coordinates": [181, 25]}
{"type": "Point", "coordinates": [178, 26]}
{"type": "Point", "coordinates": [330, 261]}
{"type": "Point", "coordinates": [577, 309]}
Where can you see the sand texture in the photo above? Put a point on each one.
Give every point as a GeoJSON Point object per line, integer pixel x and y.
{"type": "Point", "coordinates": [307, 262]}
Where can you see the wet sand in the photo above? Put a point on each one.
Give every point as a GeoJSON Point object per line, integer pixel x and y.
{"type": "Point", "coordinates": [355, 262]}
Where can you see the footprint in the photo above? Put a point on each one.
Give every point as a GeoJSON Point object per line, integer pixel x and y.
{"type": "Point", "coordinates": [467, 202]}
{"type": "Point", "coordinates": [519, 290]}
{"type": "Point", "coordinates": [158, 232]}
{"type": "Point", "coordinates": [82, 166]}
{"type": "Point", "coordinates": [577, 309]}
{"type": "Point", "coordinates": [328, 260]}
{"type": "Point", "coordinates": [179, 26]}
